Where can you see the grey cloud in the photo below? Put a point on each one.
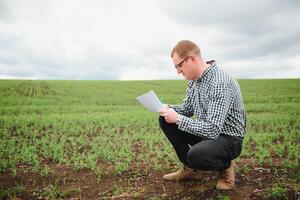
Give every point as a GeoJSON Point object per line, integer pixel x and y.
{"type": "Point", "coordinates": [247, 29]}
{"type": "Point", "coordinates": [4, 11]}
{"type": "Point", "coordinates": [96, 64]}
{"type": "Point", "coordinates": [282, 45]}
{"type": "Point", "coordinates": [95, 68]}
{"type": "Point", "coordinates": [251, 17]}
{"type": "Point", "coordinates": [41, 41]}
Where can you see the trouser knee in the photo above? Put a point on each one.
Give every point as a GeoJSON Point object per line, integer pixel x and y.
{"type": "Point", "coordinates": [167, 128]}
{"type": "Point", "coordinates": [198, 159]}
{"type": "Point", "coordinates": [194, 158]}
{"type": "Point", "coordinates": [162, 122]}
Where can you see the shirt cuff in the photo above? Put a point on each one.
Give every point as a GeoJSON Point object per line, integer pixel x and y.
{"type": "Point", "coordinates": [178, 120]}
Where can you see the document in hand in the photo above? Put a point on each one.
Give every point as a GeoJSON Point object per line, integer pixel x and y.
{"type": "Point", "coordinates": [150, 101]}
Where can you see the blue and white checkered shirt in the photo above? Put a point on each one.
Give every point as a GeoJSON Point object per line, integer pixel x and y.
{"type": "Point", "coordinates": [216, 103]}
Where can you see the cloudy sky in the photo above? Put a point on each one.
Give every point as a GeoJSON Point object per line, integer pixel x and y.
{"type": "Point", "coordinates": [132, 40]}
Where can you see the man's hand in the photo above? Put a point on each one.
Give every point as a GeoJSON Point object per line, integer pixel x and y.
{"type": "Point", "coordinates": [169, 114]}
{"type": "Point", "coordinates": [164, 109]}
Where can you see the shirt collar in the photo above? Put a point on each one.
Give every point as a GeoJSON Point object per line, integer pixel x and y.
{"type": "Point", "coordinates": [212, 64]}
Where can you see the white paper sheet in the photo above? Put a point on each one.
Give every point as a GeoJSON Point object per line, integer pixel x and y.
{"type": "Point", "coordinates": [150, 101]}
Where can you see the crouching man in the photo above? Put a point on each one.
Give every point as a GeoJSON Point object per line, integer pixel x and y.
{"type": "Point", "coordinates": [208, 128]}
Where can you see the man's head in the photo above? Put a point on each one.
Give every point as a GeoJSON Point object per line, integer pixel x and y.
{"type": "Point", "coordinates": [184, 47]}
{"type": "Point", "coordinates": [187, 59]}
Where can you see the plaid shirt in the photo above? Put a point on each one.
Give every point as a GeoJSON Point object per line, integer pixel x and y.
{"type": "Point", "coordinates": [216, 103]}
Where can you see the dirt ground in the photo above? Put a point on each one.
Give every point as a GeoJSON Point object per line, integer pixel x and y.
{"type": "Point", "coordinates": [139, 184]}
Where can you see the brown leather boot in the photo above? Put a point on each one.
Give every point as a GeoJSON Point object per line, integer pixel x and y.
{"type": "Point", "coordinates": [227, 178]}
{"type": "Point", "coordinates": [181, 174]}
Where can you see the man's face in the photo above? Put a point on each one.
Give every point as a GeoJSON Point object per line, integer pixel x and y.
{"type": "Point", "coordinates": [184, 66]}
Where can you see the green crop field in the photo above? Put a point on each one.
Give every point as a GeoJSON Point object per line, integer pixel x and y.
{"type": "Point", "coordinates": [92, 139]}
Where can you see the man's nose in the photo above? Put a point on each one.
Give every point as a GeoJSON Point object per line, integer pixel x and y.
{"type": "Point", "coordinates": [179, 71]}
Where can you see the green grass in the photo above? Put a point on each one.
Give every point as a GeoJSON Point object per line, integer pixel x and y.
{"type": "Point", "coordinates": [277, 192]}
{"type": "Point", "coordinates": [82, 123]}
{"type": "Point", "coordinates": [12, 192]}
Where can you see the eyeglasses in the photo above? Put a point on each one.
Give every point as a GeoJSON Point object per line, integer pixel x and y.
{"type": "Point", "coordinates": [178, 66]}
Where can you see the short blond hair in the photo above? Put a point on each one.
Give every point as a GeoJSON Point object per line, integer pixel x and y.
{"type": "Point", "coordinates": [184, 47]}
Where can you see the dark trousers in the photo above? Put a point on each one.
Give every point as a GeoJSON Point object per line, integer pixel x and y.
{"type": "Point", "coordinates": [200, 153]}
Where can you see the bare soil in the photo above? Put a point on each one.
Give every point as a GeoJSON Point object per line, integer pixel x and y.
{"type": "Point", "coordinates": [143, 184]}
